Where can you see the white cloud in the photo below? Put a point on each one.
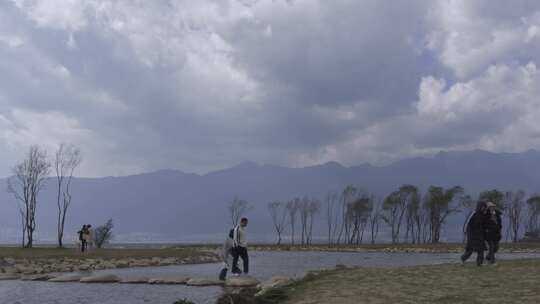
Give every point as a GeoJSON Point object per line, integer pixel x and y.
{"type": "Point", "coordinates": [12, 41]}
{"type": "Point", "coordinates": [468, 37]}
{"type": "Point", "coordinates": [24, 128]}
{"type": "Point", "coordinates": [502, 88]}
{"type": "Point", "coordinates": [58, 14]}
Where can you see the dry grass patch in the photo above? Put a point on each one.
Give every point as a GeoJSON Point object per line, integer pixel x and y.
{"type": "Point", "coordinates": [112, 253]}
{"type": "Point", "coordinates": [508, 282]}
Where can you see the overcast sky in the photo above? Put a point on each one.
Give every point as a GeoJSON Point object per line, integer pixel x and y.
{"type": "Point", "coordinates": [199, 85]}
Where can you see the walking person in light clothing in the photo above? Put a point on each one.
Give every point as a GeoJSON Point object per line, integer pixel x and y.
{"type": "Point", "coordinates": [89, 238]}
{"type": "Point", "coordinates": [240, 247]}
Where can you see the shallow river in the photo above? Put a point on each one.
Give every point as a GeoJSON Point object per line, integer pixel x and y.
{"type": "Point", "coordinates": [263, 266]}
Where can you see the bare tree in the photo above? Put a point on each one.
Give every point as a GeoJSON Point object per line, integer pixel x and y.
{"type": "Point", "coordinates": [514, 202]}
{"type": "Point", "coordinates": [314, 207]}
{"type": "Point", "coordinates": [304, 214]}
{"type": "Point", "coordinates": [237, 209]}
{"type": "Point", "coordinates": [278, 212]}
{"type": "Point", "coordinates": [331, 215]}
{"type": "Point", "coordinates": [67, 159]}
{"type": "Point", "coordinates": [308, 208]}
{"type": "Point", "coordinates": [533, 225]}
{"type": "Point", "coordinates": [292, 208]}
{"type": "Point", "coordinates": [374, 220]}
{"type": "Point", "coordinates": [426, 222]}
{"type": "Point", "coordinates": [347, 196]}
{"type": "Point", "coordinates": [23, 225]}
{"type": "Point", "coordinates": [28, 179]}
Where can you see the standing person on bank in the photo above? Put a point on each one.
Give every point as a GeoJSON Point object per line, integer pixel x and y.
{"type": "Point", "coordinates": [82, 239]}
{"type": "Point", "coordinates": [493, 225]}
{"type": "Point", "coordinates": [240, 247]}
{"type": "Point", "coordinates": [475, 231]}
{"type": "Point", "coordinates": [89, 237]}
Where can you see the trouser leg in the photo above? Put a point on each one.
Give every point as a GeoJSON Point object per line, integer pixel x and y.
{"type": "Point", "coordinates": [466, 255]}
{"type": "Point", "coordinates": [236, 255]}
{"type": "Point", "coordinates": [493, 248]}
{"type": "Point", "coordinates": [245, 259]}
{"type": "Point", "coordinates": [479, 257]}
{"type": "Point", "coordinates": [490, 248]}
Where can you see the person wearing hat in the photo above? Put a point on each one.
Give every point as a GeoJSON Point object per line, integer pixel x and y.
{"type": "Point", "coordinates": [493, 226]}
{"type": "Point", "coordinates": [476, 233]}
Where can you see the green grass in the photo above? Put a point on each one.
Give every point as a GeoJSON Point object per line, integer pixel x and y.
{"type": "Point", "coordinates": [108, 253]}
{"type": "Point", "coordinates": [509, 282]}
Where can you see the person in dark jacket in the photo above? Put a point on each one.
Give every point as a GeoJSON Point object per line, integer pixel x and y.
{"type": "Point", "coordinates": [81, 238]}
{"type": "Point", "coordinates": [493, 229]}
{"type": "Point", "coordinates": [475, 232]}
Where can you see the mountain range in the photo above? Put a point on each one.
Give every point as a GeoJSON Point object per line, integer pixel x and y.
{"type": "Point", "coordinates": [170, 205]}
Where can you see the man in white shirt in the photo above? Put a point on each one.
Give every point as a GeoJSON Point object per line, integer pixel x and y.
{"type": "Point", "coordinates": [240, 247]}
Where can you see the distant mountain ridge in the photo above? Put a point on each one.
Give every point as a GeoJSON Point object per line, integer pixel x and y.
{"type": "Point", "coordinates": [174, 205]}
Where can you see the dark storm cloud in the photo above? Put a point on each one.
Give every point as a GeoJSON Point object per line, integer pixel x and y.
{"type": "Point", "coordinates": [203, 85]}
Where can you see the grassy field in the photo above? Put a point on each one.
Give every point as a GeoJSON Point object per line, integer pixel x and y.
{"type": "Point", "coordinates": [440, 247]}
{"type": "Point", "coordinates": [508, 282]}
{"type": "Point", "coordinates": [182, 251]}
{"type": "Point", "coordinates": [109, 253]}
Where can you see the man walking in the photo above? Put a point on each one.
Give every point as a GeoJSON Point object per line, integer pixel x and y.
{"type": "Point", "coordinates": [476, 235]}
{"type": "Point", "coordinates": [493, 228]}
{"type": "Point", "coordinates": [240, 247]}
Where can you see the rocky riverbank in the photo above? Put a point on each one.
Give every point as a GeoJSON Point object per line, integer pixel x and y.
{"type": "Point", "coordinates": [110, 278]}
{"type": "Point", "coordinates": [13, 266]}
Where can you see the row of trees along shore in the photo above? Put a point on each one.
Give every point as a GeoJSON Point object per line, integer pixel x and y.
{"type": "Point", "coordinates": [354, 216]}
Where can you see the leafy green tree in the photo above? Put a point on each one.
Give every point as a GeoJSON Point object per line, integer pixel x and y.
{"type": "Point", "coordinates": [495, 196]}
{"type": "Point", "coordinates": [359, 212]}
{"type": "Point", "coordinates": [348, 195]}
{"type": "Point", "coordinates": [414, 218]}
{"type": "Point", "coordinates": [439, 203]}
{"type": "Point", "coordinates": [103, 234]}
{"type": "Point", "coordinates": [395, 206]}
